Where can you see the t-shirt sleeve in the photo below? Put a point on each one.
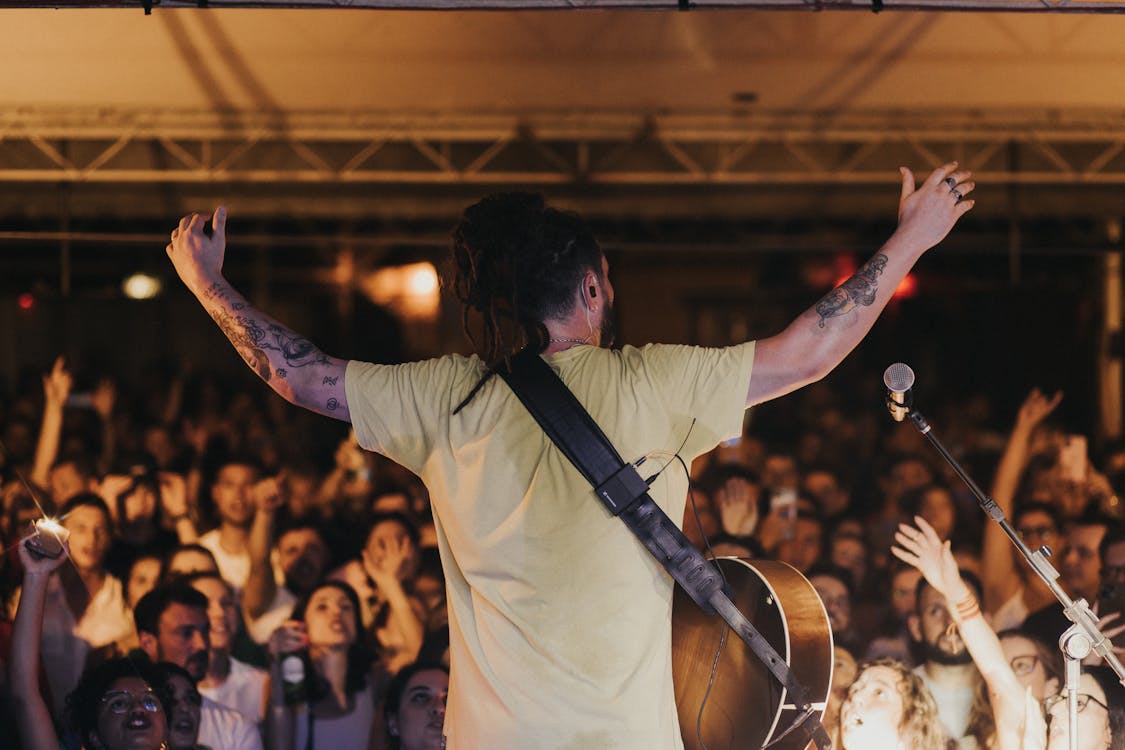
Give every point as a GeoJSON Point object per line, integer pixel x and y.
{"type": "Point", "coordinates": [707, 385]}
{"type": "Point", "coordinates": [399, 410]}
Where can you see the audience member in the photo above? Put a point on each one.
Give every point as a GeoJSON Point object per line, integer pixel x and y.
{"type": "Point", "coordinates": [228, 681]}
{"type": "Point", "coordinates": [889, 706]}
{"type": "Point", "coordinates": [85, 615]}
{"type": "Point", "coordinates": [336, 696]}
{"type": "Point", "coordinates": [173, 626]}
{"type": "Point", "coordinates": [414, 709]}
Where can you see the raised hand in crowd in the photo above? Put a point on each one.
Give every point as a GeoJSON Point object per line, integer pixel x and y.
{"type": "Point", "coordinates": [33, 718]}
{"type": "Point", "coordinates": [1110, 631]}
{"type": "Point", "coordinates": [1018, 720]}
{"type": "Point", "coordinates": [56, 389]}
{"type": "Point", "coordinates": [389, 560]}
{"type": "Point", "coordinates": [737, 501]}
{"type": "Point", "coordinates": [1001, 577]}
{"type": "Point", "coordinates": [268, 497]}
{"type": "Point", "coordinates": [177, 509]}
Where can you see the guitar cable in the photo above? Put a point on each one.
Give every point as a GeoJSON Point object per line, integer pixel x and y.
{"type": "Point", "coordinates": [710, 551]}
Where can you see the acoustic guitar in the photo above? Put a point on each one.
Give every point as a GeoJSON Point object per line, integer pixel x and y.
{"type": "Point", "coordinates": [747, 708]}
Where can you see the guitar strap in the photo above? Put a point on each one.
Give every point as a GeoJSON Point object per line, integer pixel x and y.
{"type": "Point", "coordinates": [625, 494]}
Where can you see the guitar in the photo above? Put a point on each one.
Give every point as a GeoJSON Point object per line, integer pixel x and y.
{"type": "Point", "coordinates": [746, 707]}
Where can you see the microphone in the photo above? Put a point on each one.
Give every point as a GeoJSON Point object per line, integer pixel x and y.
{"type": "Point", "coordinates": [899, 379]}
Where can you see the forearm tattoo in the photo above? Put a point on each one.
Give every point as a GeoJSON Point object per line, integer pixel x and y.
{"type": "Point", "coordinates": [258, 341]}
{"type": "Point", "coordinates": [860, 289]}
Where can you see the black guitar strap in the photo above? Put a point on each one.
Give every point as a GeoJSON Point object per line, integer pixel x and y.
{"type": "Point", "coordinates": [625, 494]}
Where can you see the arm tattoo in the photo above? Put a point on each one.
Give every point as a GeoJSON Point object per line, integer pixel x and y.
{"type": "Point", "coordinates": [252, 341]}
{"type": "Point", "coordinates": [860, 289]}
{"type": "Point", "coordinates": [329, 381]}
{"type": "Point", "coordinates": [333, 404]}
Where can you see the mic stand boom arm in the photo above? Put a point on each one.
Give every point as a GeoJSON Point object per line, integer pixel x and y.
{"type": "Point", "coordinates": [1083, 636]}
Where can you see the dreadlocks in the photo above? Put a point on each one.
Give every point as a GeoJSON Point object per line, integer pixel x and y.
{"type": "Point", "coordinates": [517, 262]}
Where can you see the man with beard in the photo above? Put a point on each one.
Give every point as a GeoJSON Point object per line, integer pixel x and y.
{"type": "Point", "coordinates": [947, 666]}
{"type": "Point", "coordinates": [545, 588]}
{"type": "Point", "coordinates": [280, 573]}
{"type": "Point", "coordinates": [172, 626]}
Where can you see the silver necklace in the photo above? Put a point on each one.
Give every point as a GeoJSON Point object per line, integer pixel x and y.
{"type": "Point", "coordinates": [568, 341]}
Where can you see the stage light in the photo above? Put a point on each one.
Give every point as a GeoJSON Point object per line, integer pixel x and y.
{"type": "Point", "coordinates": [141, 286]}
{"type": "Point", "coordinates": [26, 301]}
{"type": "Point", "coordinates": [411, 291]}
{"type": "Point", "coordinates": [907, 288]}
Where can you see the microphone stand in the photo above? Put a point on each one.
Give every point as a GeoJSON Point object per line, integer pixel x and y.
{"type": "Point", "coordinates": [1083, 635]}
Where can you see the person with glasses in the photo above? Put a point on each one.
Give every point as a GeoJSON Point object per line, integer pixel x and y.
{"type": "Point", "coordinates": [1017, 721]}
{"type": "Point", "coordinates": [1101, 713]}
{"type": "Point", "coordinates": [119, 704]}
{"type": "Point", "coordinates": [1011, 589]}
{"type": "Point", "coordinates": [1036, 664]}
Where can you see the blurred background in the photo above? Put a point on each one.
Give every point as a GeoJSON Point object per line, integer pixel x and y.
{"type": "Point", "coordinates": [735, 164]}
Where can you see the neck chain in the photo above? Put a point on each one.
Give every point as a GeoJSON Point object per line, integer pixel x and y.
{"type": "Point", "coordinates": [568, 341]}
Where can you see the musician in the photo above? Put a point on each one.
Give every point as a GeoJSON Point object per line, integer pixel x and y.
{"type": "Point", "coordinates": [559, 621]}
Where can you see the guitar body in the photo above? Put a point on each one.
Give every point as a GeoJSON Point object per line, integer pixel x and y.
{"type": "Point", "coordinates": [747, 707]}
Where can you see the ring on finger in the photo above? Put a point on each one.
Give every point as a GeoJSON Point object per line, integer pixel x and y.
{"type": "Point", "coordinates": [956, 193]}
{"type": "Point", "coordinates": [951, 182]}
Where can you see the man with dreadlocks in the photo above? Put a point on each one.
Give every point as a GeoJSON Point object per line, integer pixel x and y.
{"type": "Point", "coordinates": [559, 620]}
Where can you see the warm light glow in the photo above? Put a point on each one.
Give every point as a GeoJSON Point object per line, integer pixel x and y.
{"type": "Point", "coordinates": [26, 301]}
{"type": "Point", "coordinates": [423, 280]}
{"type": "Point", "coordinates": [907, 288]}
{"type": "Point", "coordinates": [141, 286]}
{"type": "Point", "coordinates": [411, 291]}
{"type": "Point", "coordinates": [52, 526]}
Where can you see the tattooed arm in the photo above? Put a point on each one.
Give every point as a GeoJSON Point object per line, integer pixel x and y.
{"type": "Point", "coordinates": [813, 344]}
{"type": "Point", "coordinates": [289, 363]}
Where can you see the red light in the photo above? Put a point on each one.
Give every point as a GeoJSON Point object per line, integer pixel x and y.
{"type": "Point", "coordinates": [26, 301]}
{"type": "Point", "coordinates": [907, 288]}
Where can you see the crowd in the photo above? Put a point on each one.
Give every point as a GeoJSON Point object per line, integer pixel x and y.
{"type": "Point", "coordinates": [221, 589]}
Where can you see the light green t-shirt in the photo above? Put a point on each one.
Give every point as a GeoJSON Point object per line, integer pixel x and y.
{"type": "Point", "coordinates": [560, 621]}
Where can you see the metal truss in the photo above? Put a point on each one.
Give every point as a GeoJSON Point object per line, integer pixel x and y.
{"type": "Point", "coordinates": [579, 149]}
{"type": "Point", "coordinates": [1025, 6]}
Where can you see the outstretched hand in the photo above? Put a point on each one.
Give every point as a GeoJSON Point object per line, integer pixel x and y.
{"type": "Point", "coordinates": [198, 258]}
{"type": "Point", "coordinates": [37, 564]}
{"type": "Point", "coordinates": [737, 501]}
{"type": "Point", "coordinates": [1036, 407]}
{"type": "Point", "coordinates": [57, 384]}
{"type": "Point", "coordinates": [922, 548]}
{"type": "Point", "coordinates": [928, 212]}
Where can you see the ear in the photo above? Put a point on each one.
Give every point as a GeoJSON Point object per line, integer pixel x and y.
{"type": "Point", "coordinates": [149, 645]}
{"type": "Point", "coordinates": [914, 625]}
{"type": "Point", "coordinates": [590, 286]}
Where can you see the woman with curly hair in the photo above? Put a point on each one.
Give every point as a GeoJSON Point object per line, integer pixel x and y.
{"type": "Point", "coordinates": [889, 707]}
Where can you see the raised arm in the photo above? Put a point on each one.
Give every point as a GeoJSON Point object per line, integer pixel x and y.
{"type": "Point", "coordinates": [1000, 575]}
{"type": "Point", "coordinates": [56, 388]}
{"type": "Point", "coordinates": [813, 344]}
{"type": "Point", "coordinates": [261, 588]}
{"type": "Point", "coordinates": [32, 716]}
{"type": "Point", "coordinates": [290, 364]}
{"type": "Point", "coordinates": [922, 548]}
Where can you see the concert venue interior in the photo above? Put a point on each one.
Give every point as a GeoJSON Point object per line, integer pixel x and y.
{"type": "Point", "coordinates": [736, 160]}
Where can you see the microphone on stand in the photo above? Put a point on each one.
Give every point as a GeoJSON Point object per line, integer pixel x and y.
{"type": "Point", "coordinates": [899, 379]}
